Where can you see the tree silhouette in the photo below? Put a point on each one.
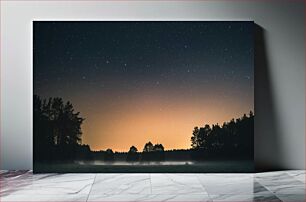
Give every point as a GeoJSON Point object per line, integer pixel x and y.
{"type": "Point", "coordinates": [132, 154]}
{"type": "Point", "coordinates": [158, 148]}
{"type": "Point", "coordinates": [233, 139]}
{"type": "Point", "coordinates": [148, 147]}
{"type": "Point", "coordinates": [133, 149]}
{"type": "Point", "coordinates": [109, 155]}
{"type": "Point", "coordinates": [194, 138]}
{"type": "Point", "coordinates": [57, 129]}
{"type": "Point", "coordinates": [200, 137]}
{"type": "Point", "coordinates": [153, 152]}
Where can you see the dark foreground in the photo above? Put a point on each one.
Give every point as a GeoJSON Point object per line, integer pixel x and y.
{"type": "Point", "coordinates": [197, 167]}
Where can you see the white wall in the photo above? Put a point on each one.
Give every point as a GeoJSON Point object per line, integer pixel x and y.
{"type": "Point", "coordinates": [279, 81]}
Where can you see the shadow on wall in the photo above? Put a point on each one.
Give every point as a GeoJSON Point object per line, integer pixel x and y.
{"type": "Point", "coordinates": [266, 135]}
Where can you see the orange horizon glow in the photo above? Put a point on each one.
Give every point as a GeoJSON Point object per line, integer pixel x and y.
{"type": "Point", "coordinates": [164, 119]}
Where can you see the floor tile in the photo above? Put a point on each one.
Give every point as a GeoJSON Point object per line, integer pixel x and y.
{"type": "Point", "coordinates": [223, 184]}
{"type": "Point", "coordinates": [15, 180]}
{"type": "Point", "coordinates": [114, 184]}
{"type": "Point", "coordinates": [232, 198]}
{"type": "Point", "coordinates": [259, 189]}
{"type": "Point", "coordinates": [286, 186]}
{"type": "Point", "coordinates": [176, 184]}
{"type": "Point", "coordinates": [275, 175]}
{"type": "Point", "coordinates": [42, 198]}
{"type": "Point", "coordinates": [149, 198]}
{"type": "Point", "coordinates": [265, 198]}
{"type": "Point", "coordinates": [291, 197]}
{"type": "Point", "coordinates": [298, 175]}
{"type": "Point", "coordinates": [48, 184]}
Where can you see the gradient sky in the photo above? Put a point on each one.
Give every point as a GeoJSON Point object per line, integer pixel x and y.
{"type": "Point", "coordinates": [136, 82]}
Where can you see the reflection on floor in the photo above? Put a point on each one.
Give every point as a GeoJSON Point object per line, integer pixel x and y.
{"type": "Point", "coordinates": [271, 186]}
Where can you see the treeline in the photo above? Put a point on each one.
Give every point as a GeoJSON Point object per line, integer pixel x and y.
{"type": "Point", "coordinates": [57, 137]}
{"type": "Point", "coordinates": [57, 131]}
{"type": "Point", "coordinates": [150, 152]}
{"type": "Point", "coordinates": [234, 139]}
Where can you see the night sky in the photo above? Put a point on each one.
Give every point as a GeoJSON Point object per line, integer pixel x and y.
{"type": "Point", "coordinates": [136, 82]}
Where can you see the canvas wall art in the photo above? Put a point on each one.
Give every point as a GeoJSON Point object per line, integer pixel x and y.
{"type": "Point", "coordinates": [143, 96]}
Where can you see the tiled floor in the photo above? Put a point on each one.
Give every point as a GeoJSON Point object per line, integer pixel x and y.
{"type": "Point", "coordinates": [271, 186]}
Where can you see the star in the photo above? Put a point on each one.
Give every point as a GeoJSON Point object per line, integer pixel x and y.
{"type": "Point", "coordinates": [83, 77]}
{"type": "Point", "coordinates": [157, 82]}
{"type": "Point", "coordinates": [107, 61]}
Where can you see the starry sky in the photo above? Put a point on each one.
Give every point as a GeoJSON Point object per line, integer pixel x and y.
{"type": "Point", "coordinates": [136, 82]}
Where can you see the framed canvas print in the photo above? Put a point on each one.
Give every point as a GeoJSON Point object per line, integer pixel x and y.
{"type": "Point", "coordinates": [143, 96]}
